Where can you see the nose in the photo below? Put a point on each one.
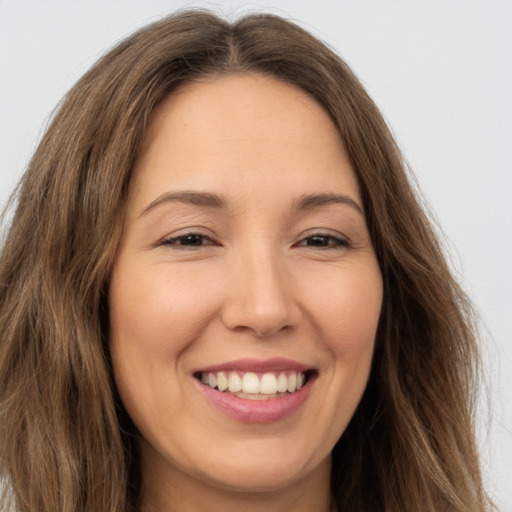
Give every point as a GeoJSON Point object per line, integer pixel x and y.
{"type": "Point", "coordinates": [260, 298]}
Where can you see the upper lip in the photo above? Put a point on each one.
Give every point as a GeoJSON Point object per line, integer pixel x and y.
{"type": "Point", "coordinates": [256, 365]}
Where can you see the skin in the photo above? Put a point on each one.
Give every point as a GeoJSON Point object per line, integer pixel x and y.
{"type": "Point", "coordinates": [254, 284]}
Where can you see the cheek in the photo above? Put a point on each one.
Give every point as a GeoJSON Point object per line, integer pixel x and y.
{"type": "Point", "coordinates": [154, 318]}
{"type": "Point", "coordinates": [347, 313]}
{"type": "Point", "coordinates": [347, 309]}
{"type": "Point", "coordinates": [352, 317]}
{"type": "Point", "coordinates": [159, 312]}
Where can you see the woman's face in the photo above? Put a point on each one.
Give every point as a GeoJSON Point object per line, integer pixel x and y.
{"type": "Point", "coordinates": [245, 265]}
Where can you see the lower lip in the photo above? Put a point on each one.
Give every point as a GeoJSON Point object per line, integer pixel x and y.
{"type": "Point", "coordinates": [256, 411]}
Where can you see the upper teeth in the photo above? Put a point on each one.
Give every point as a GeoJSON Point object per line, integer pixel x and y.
{"type": "Point", "coordinates": [249, 382]}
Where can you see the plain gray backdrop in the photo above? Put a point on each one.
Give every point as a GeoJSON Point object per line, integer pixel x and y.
{"type": "Point", "coordinates": [441, 71]}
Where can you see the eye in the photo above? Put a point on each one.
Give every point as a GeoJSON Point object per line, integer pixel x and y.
{"type": "Point", "coordinates": [324, 241]}
{"type": "Point", "coordinates": [187, 240]}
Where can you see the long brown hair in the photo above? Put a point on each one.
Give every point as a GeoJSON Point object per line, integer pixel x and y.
{"type": "Point", "coordinates": [65, 440]}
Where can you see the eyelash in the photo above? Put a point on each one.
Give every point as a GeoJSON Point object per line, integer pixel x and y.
{"type": "Point", "coordinates": [335, 242]}
{"type": "Point", "coordinates": [192, 235]}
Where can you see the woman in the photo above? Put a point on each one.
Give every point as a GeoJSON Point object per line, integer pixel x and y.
{"type": "Point", "coordinates": [219, 290]}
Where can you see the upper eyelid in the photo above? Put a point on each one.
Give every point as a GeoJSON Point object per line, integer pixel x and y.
{"type": "Point", "coordinates": [328, 233]}
{"type": "Point", "coordinates": [168, 239]}
{"type": "Point", "coordinates": [343, 240]}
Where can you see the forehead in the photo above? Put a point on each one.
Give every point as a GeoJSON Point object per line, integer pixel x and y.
{"type": "Point", "coordinates": [227, 101]}
{"type": "Point", "coordinates": [242, 132]}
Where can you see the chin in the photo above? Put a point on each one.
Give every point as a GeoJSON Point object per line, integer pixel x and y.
{"type": "Point", "coordinates": [264, 467]}
{"type": "Point", "coordinates": [260, 477]}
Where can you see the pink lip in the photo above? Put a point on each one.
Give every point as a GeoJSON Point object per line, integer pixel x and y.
{"type": "Point", "coordinates": [256, 411]}
{"type": "Point", "coordinates": [257, 366]}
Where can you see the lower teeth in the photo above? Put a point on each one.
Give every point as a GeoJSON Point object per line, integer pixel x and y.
{"type": "Point", "coordinates": [258, 396]}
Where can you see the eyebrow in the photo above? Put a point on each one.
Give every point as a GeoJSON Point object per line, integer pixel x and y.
{"type": "Point", "coordinates": [195, 198]}
{"type": "Point", "coordinates": [208, 200]}
{"type": "Point", "coordinates": [311, 201]}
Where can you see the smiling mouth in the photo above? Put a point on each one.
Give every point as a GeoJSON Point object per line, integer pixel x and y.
{"type": "Point", "coordinates": [256, 386]}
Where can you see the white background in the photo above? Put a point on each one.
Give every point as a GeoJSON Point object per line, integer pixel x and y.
{"type": "Point", "coordinates": [441, 71]}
